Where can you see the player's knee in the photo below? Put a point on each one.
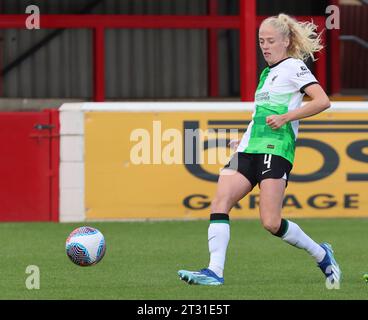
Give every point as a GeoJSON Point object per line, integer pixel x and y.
{"type": "Point", "coordinates": [221, 204]}
{"type": "Point", "coordinates": [271, 225]}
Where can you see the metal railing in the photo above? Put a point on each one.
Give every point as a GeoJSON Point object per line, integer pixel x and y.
{"type": "Point", "coordinates": [355, 39]}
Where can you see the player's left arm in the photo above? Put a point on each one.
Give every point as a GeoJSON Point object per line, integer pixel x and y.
{"type": "Point", "coordinates": [319, 102]}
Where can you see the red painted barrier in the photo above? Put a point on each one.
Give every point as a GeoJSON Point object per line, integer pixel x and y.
{"type": "Point", "coordinates": [29, 163]}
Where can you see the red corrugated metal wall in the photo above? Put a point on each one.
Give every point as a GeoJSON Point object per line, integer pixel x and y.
{"type": "Point", "coordinates": [354, 57]}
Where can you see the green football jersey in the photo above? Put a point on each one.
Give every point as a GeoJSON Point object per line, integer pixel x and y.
{"type": "Point", "coordinates": [280, 89]}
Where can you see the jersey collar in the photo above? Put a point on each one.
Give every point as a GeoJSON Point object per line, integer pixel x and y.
{"type": "Point", "coordinates": [276, 64]}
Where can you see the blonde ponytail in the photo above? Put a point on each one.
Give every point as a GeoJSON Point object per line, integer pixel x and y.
{"type": "Point", "coordinates": [304, 39]}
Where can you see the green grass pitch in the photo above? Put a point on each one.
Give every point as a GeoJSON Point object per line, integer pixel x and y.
{"type": "Point", "coordinates": [142, 260]}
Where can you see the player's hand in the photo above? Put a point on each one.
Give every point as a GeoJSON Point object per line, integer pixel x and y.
{"type": "Point", "coordinates": [276, 121]}
{"type": "Point", "coordinates": [233, 144]}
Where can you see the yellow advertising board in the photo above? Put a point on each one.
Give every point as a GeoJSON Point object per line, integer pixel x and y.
{"type": "Point", "coordinates": [165, 165]}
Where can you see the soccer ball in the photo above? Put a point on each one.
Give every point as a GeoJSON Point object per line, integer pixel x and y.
{"type": "Point", "coordinates": [85, 246]}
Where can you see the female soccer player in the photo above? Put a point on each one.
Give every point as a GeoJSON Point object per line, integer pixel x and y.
{"type": "Point", "coordinates": [265, 153]}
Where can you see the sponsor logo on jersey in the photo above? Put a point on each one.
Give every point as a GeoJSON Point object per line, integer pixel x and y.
{"type": "Point", "coordinates": [300, 74]}
{"type": "Point", "coordinates": [263, 96]}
